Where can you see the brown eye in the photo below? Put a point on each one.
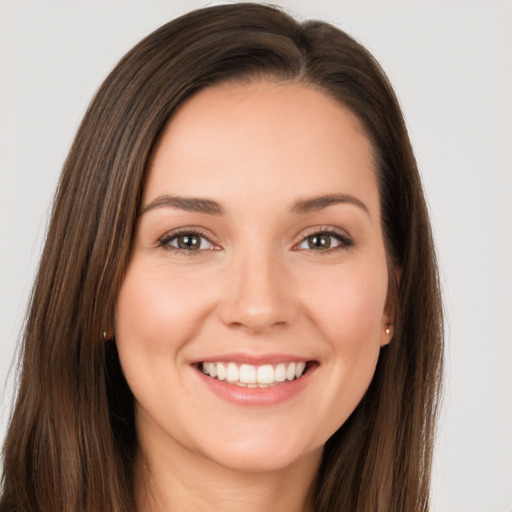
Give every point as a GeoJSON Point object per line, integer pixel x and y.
{"type": "Point", "coordinates": [325, 241]}
{"type": "Point", "coordinates": [320, 241]}
{"type": "Point", "coordinates": [187, 241]}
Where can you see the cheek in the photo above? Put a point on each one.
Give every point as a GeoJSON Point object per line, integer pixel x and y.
{"type": "Point", "coordinates": [152, 304]}
{"type": "Point", "coordinates": [158, 312]}
{"type": "Point", "coordinates": [349, 314]}
{"type": "Point", "coordinates": [349, 306]}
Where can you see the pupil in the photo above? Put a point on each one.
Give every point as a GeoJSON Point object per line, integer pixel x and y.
{"type": "Point", "coordinates": [319, 241]}
{"type": "Point", "coordinates": [189, 242]}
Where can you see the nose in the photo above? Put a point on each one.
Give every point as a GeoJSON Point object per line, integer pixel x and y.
{"type": "Point", "coordinates": [259, 297]}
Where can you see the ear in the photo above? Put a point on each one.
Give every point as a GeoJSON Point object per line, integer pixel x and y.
{"type": "Point", "coordinates": [108, 335]}
{"type": "Point", "coordinates": [388, 317]}
{"type": "Point", "coordinates": [386, 330]}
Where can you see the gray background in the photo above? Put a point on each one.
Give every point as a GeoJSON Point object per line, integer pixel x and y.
{"type": "Point", "coordinates": [450, 63]}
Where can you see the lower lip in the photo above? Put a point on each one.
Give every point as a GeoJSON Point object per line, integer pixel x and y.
{"type": "Point", "coordinates": [256, 396]}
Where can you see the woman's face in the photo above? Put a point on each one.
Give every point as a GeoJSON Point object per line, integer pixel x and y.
{"type": "Point", "coordinates": [258, 257]}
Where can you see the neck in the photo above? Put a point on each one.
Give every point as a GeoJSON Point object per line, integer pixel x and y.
{"type": "Point", "coordinates": [175, 479]}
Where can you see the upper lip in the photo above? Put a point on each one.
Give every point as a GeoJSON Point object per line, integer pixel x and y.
{"type": "Point", "coordinates": [254, 359]}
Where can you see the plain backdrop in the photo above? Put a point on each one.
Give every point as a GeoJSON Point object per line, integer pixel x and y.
{"type": "Point", "coordinates": [451, 65]}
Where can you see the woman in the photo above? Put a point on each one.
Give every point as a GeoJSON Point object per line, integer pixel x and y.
{"type": "Point", "coordinates": [247, 315]}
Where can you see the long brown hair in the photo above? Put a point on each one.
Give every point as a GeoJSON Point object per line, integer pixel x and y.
{"type": "Point", "coordinates": [71, 443]}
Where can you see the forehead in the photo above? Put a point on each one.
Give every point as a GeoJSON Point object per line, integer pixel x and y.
{"type": "Point", "coordinates": [261, 137]}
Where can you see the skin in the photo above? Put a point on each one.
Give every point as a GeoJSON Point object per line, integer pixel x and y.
{"type": "Point", "coordinates": [254, 286]}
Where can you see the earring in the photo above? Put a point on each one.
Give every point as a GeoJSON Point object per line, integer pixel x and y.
{"type": "Point", "coordinates": [387, 330]}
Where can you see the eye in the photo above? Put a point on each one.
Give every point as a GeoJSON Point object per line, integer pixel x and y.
{"type": "Point", "coordinates": [323, 241]}
{"type": "Point", "coordinates": [187, 241]}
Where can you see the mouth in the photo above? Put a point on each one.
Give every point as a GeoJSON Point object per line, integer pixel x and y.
{"type": "Point", "coordinates": [255, 376]}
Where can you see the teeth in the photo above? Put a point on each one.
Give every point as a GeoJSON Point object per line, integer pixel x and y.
{"type": "Point", "coordinates": [212, 369]}
{"type": "Point", "coordinates": [221, 370]}
{"type": "Point", "coordinates": [248, 375]}
{"type": "Point", "coordinates": [290, 371]}
{"type": "Point", "coordinates": [299, 369]}
{"type": "Point", "coordinates": [265, 374]}
{"type": "Point", "coordinates": [280, 373]}
{"type": "Point", "coordinates": [232, 372]}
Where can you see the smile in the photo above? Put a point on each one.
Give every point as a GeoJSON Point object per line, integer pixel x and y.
{"type": "Point", "coordinates": [252, 376]}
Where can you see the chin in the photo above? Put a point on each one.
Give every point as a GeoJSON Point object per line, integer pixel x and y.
{"type": "Point", "coordinates": [261, 451]}
{"type": "Point", "coordinates": [263, 459]}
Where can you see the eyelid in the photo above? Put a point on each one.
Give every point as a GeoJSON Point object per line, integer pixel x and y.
{"type": "Point", "coordinates": [345, 239]}
{"type": "Point", "coordinates": [340, 234]}
{"type": "Point", "coordinates": [164, 240]}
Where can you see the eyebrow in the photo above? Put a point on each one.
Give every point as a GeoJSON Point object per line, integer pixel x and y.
{"type": "Point", "coordinates": [189, 204]}
{"type": "Point", "coordinates": [211, 207]}
{"type": "Point", "coordinates": [314, 204]}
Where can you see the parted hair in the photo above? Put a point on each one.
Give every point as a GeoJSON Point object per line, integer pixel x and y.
{"type": "Point", "coordinates": [71, 443]}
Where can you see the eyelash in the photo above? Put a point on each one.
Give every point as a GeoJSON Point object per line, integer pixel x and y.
{"type": "Point", "coordinates": [165, 241]}
{"type": "Point", "coordinates": [345, 241]}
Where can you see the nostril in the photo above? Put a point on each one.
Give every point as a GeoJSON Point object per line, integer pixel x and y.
{"type": "Point", "coordinates": [257, 302]}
